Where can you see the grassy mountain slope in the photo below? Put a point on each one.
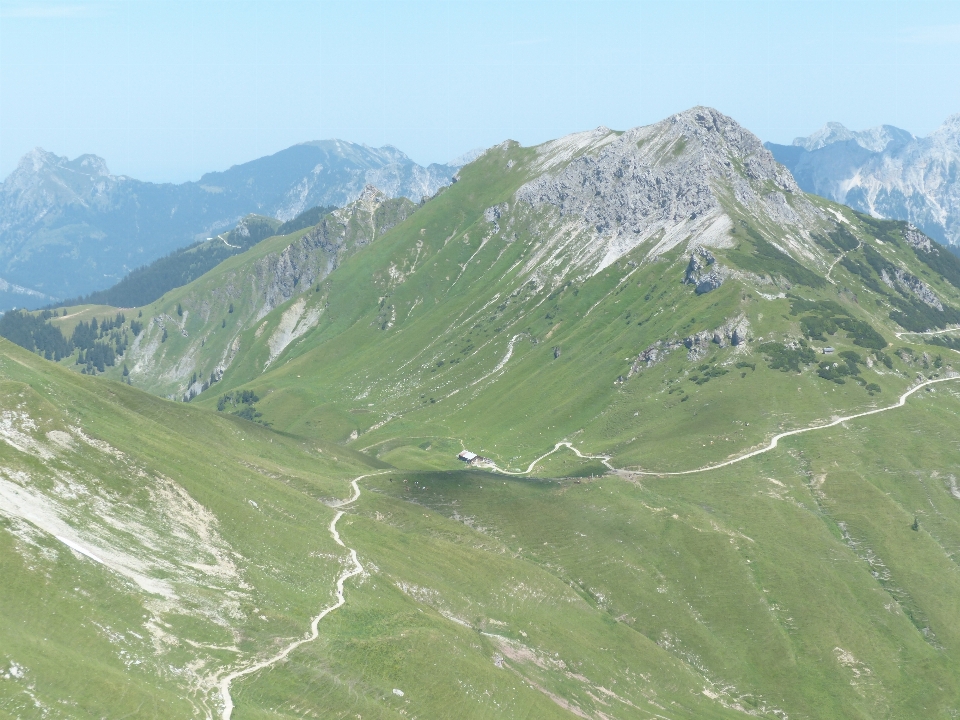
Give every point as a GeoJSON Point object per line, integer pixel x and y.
{"type": "Point", "coordinates": [151, 546]}
{"type": "Point", "coordinates": [660, 299]}
{"type": "Point", "coordinates": [191, 335]}
{"type": "Point", "coordinates": [450, 327]}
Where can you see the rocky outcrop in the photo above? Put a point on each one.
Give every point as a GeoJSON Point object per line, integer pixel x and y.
{"type": "Point", "coordinates": [731, 333]}
{"type": "Point", "coordinates": [897, 278]}
{"type": "Point", "coordinates": [702, 271]}
{"type": "Point", "coordinates": [917, 240]}
{"type": "Point", "coordinates": [319, 252]}
{"type": "Point", "coordinates": [654, 354]}
{"type": "Point", "coordinates": [493, 214]}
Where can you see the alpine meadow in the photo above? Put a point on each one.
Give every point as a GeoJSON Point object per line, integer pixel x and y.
{"type": "Point", "coordinates": [621, 425]}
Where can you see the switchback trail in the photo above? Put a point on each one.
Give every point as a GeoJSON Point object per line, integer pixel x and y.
{"type": "Point", "coordinates": [357, 569]}
{"type": "Point", "coordinates": [740, 458]}
{"type": "Point", "coordinates": [563, 443]}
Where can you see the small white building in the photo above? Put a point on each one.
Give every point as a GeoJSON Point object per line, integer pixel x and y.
{"type": "Point", "coordinates": [467, 456]}
{"type": "Point", "coordinates": [828, 351]}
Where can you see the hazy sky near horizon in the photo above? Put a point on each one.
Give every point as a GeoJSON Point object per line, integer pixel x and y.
{"type": "Point", "coordinates": [166, 91]}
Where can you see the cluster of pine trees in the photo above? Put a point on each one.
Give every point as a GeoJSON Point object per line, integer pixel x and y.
{"type": "Point", "coordinates": [100, 342]}
{"type": "Point", "coordinates": [34, 333]}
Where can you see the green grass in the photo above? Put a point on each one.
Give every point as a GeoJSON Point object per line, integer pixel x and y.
{"type": "Point", "coordinates": [789, 584]}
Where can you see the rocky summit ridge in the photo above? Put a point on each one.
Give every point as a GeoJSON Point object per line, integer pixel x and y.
{"type": "Point", "coordinates": [663, 184]}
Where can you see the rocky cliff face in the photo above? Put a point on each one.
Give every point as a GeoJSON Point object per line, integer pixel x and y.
{"type": "Point", "coordinates": [68, 227]}
{"type": "Point", "coordinates": [886, 172]}
{"type": "Point", "coordinates": [320, 251]}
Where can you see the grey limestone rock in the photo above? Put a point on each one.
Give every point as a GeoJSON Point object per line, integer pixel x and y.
{"type": "Point", "coordinates": [315, 255]}
{"type": "Point", "coordinates": [911, 283]}
{"type": "Point", "coordinates": [732, 332]}
{"type": "Point", "coordinates": [885, 172]}
{"type": "Point", "coordinates": [710, 281]}
{"type": "Point", "coordinates": [700, 258]}
{"type": "Point", "coordinates": [664, 176]}
{"type": "Point", "coordinates": [917, 240]}
{"type": "Point", "coordinates": [702, 271]}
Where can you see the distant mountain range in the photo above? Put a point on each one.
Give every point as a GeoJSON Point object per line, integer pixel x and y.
{"type": "Point", "coordinates": [885, 172]}
{"type": "Point", "coordinates": [70, 227]}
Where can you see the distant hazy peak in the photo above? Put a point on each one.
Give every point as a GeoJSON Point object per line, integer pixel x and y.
{"type": "Point", "coordinates": [347, 149]}
{"type": "Point", "coordinates": [950, 129]}
{"type": "Point", "coordinates": [830, 133]}
{"type": "Point", "coordinates": [875, 139]}
{"type": "Point", "coordinates": [38, 160]}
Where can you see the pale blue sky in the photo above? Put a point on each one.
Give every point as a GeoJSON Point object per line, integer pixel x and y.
{"type": "Point", "coordinates": [168, 90]}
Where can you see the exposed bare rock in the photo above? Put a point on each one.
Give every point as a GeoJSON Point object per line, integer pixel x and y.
{"type": "Point", "coordinates": [700, 259]}
{"type": "Point", "coordinates": [711, 281]}
{"type": "Point", "coordinates": [493, 214]}
{"type": "Point", "coordinates": [702, 271]}
{"type": "Point", "coordinates": [320, 251]}
{"type": "Point", "coordinates": [654, 354]}
{"type": "Point", "coordinates": [885, 172]}
{"type": "Point", "coordinates": [917, 240]}
{"type": "Point", "coordinates": [732, 332]}
{"type": "Point", "coordinates": [900, 278]}
{"type": "Point", "coordinates": [665, 183]}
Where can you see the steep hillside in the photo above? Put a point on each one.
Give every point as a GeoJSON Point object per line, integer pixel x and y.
{"type": "Point", "coordinates": [192, 336]}
{"type": "Point", "coordinates": [884, 172]}
{"type": "Point", "coordinates": [70, 227]}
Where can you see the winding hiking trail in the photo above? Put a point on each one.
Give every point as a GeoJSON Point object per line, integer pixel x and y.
{"type": "Point", "coordinates": [563, 443]}
{"type": "Point", "coordinates": [740, 458]}
{"type": "Point", "coordinates": [839, 259]}
{"type": "Point", "coordinates": [225, 682]}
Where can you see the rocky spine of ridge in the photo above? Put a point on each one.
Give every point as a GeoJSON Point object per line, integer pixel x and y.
{"type": "Point", "coordinates": [666, 183]}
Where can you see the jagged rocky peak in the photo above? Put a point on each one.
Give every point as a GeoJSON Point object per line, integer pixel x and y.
{"type": "Point", "coordinates": [368, 201]}
{"type": "Point", "coordinates": [370, 195]}
{"type": "Point", "coordinates": [670, 180]}
{"type": "Point", "coordinates": [948, 132]}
